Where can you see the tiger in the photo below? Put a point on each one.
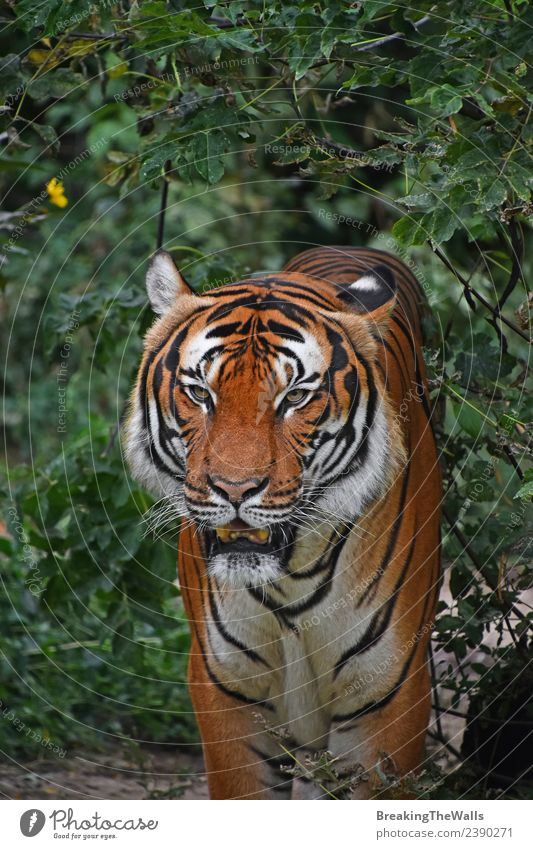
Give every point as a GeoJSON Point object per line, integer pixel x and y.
{"type": "Point", "coordinates": [285, 420]}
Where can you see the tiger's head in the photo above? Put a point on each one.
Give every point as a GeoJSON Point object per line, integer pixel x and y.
{"type": "Point", "coordinates": [259, 409]}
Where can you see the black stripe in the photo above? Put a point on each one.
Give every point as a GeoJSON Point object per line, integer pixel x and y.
{"type": "Point", "coordinates": [223, 330]}
{"type": "Point", "coordinates": [347, 431]}
{"type": "Point", "coordinates": [339, 257]}
{"type": "Point", "coordinates": [418, 373]}
{"type": "Point", "coordinates": [221, 628]}
{"type": "Point", "coordinates": [406, 371]}
{"type": "Point", "coordinates": [325, 584]}
{"type": "Point", "coordinates": [235, 694]}
{"type": "Point", "coordinates": [288, 308]}
{"type": "Point", "coordinates": [303, 291]}
{"type": "Point", "coordinates": [380, 621]}
{"type": "Point", "coordinates": [372, 588]}
{"type": "Point", "coordinates": [273, 761]}
{"type": "Point", "coordinates": [322, 562]}
{"type": "Point", "coordinates": [283, 612]}
{"type": "Point", "coordinates": [285, 331]}
{"type": "Point", "coordinates": [377, 704]}
{"type": "Point", "coordinates": [403, 378]}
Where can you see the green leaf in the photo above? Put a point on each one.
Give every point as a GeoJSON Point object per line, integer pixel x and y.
{"type": "Point", "coordinates": [57, 83]}
{"type": "Point", "coordinates": [12, 79]}
{"type": "Point", "coordinates": [153, 164]}
{"type": "Point", "coordinates": [484, 362]}
{"type": "Point", "coordinates": [304, 54]}
{"type": "Point", "coordinates": [49, 135]}
{"type": "Point", "coordinates": [469, 418]}
{"type": "Point", "coordinates": [520, 180]}
{"type": "Point", "coordinates": [67, 15]}
{"type": "Point", "coordinates": [125, 649]}
{"type": "Point", "coordinates": [526, 490]}
{"type": "Point", "coordinates": [31, 14]}
{"type": "Point", "coordinates": [409, 230]}
{"type": "Point", "coordinates": [290, 153]}
{"type": "Point", "coordinates": [372, 8]}
{"type": "Point", "coordinates": [442, 223]}
{"type": "Point", "coordinates": [495, 196]}
{"type": "Point", "coordinates": [421, 201]}
{"type": "Point", "coordinates": [445, 101]}
{"type": "Point", "coordinates": [207, 148]}
{"type": "Point", "coordinates": [164, 33]}
{"type": "Point", "coordinates": [460, 579]}
{"type": "Point", "coordinates": [240, 39]}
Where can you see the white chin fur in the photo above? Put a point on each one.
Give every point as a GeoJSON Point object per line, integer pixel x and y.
{"type": "Point", "coordinates": [238, 571]}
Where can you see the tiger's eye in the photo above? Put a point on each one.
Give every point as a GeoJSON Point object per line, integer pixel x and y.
{"type": "Point", "coordinates": [199, 393]}
{"type": "Point", "coordinates": [295, 396]}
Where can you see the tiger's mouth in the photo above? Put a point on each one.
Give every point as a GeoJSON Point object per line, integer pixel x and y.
{"type": "Point", "coordinates": [239, 538]}
{"type": "Point", "coordinates": [238, 530]}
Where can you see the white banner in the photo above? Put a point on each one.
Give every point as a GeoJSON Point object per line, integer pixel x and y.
{"type": "Point", "coordinates": [256, 825]}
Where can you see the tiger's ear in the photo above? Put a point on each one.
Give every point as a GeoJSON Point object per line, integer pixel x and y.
{"type": "Point", "coordinates": [373, 295]}
{"type": "Point", "coordinates": [164, 283]}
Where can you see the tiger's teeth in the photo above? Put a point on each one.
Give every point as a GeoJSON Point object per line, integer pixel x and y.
{"type": "Point", "coordinates": [259, 535]}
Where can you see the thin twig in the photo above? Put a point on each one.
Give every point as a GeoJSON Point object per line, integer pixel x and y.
{"type": "Point", "coordinates": [474, 558]}
{"type": "Point", "coordinates": [489, 719]}
{"type": "Point", "coordinates": [225, 23]}
{"type": "Point", "coordinates": [115, 430]}
{"type": "Point", "coordinates": [513, 462]}
{"type": "Point", "coordinates": [163, 206]}
{"type": "Point", "coordinates": [96, 36]}
{"type": "Point", "coordinates": [517, 248]}
{"type": "Point", "coordinates": [160, 239]}
{"type": "Point", "coordinates": [455, 752]}
{"type": "Point", "coordinates": [435, 690]}
{"type": "Point", "coordinates": [395, 36]}
{"type": "Point", "coordinates": [340, 149]}
{"type": "Point", "coordinates": [371, 44]}
{"type": "Point", "coordinates": [493, 310]}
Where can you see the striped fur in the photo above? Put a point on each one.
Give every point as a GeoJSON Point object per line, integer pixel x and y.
{"type": "Point", "coordinates": [297, 402]}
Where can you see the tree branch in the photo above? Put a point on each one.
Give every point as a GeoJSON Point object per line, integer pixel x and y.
{"type": "Point", "coordinates": [474, 558]}
{"type": "Point", "coordinates": [482, 300]}
{"type": "Point", "coordinates": [517, 247]}
{"type": "Point", "coordinates": [163, 206]}
{"type": "Point", "coordinates": [395, 36]}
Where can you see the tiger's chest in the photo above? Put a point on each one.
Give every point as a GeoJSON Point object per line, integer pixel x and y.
{"type": "Point", "coordinates": [296, 656]}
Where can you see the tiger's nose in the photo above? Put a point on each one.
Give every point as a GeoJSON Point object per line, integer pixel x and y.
{"type": "Point", "coordinates": [237, 491]}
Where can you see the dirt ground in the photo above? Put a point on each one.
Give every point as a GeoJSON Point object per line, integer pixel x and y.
{"type": "Point", "coordinates": [143, 774]}
{"type": "Point", "coordinates": [152, 772]}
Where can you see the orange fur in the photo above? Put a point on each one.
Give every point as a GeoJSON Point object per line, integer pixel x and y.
{"type": "Point", "coordinates": [390, 561]}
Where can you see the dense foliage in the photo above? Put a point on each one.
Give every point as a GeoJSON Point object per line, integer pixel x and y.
{"type": "Point", "coordinates": [272, 126]}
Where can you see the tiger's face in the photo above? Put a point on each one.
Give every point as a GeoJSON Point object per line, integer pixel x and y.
{"type": "Point", "coordinates": [259, 410]}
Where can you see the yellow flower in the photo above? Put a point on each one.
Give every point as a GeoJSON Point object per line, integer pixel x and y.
{"type": "Point", "coordinates": [56, 193]}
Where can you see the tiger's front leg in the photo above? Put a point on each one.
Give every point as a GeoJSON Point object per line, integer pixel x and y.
{"type": "Point", "coordinates": [389, 740]}
{"type": "Point", "coordinates": [243, 761]}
